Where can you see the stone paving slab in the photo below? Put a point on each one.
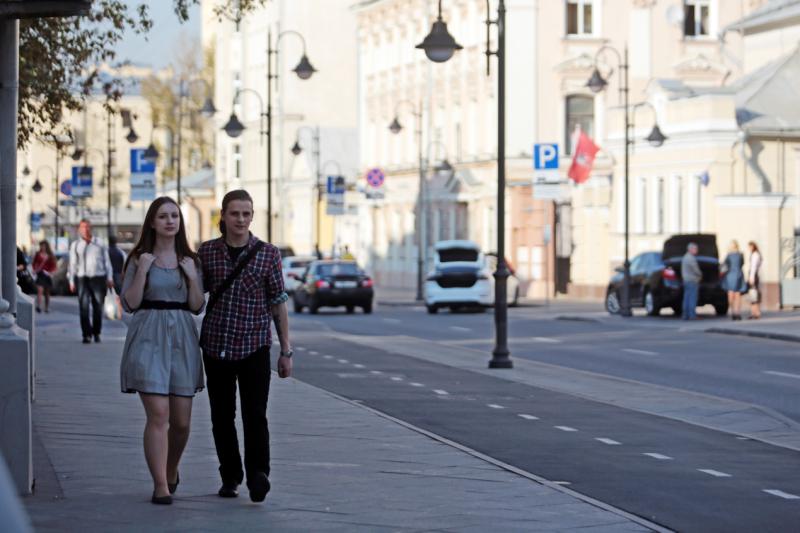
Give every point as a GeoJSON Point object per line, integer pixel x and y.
{"type": "Point", "coordinates": [336, 466]}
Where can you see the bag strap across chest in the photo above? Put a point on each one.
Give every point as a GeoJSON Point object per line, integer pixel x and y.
{"type": "Point", "coordinates": [226, 284]}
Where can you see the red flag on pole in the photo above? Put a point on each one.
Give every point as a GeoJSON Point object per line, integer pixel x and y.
{"type": "Point", "coordinates": [582, 159]}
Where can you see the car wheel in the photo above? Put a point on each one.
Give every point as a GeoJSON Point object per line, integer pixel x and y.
{"type": "Point", "coordinates": [297, 307]}
{"type": "Point", "coordinates": [678, 310]}
{"type": "Point", "coordinates": [432, 309]}
{"type": "Point", "coordinates": [612, 302]}
{"type": "Point", "coordinates": [650, 304]}
{"type": "Point", "coordinates": [721, 309]}
{"type": "Point", "coordinates": [313, 307]}
{"type": "Point", "coordinates": [350, 309]}
{"type": "Point", "coordinates": [368, 308]}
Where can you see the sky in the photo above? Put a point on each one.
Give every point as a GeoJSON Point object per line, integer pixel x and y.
{"type": "Point", "coordinates": [157, 50]}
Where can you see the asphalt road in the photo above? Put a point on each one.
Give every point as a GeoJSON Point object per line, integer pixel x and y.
{"type": "Point", "coordinates": [649, 350]}
{"type": "Point", "coordinates": [682, 476]}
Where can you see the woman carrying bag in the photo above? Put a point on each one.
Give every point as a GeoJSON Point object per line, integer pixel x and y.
{"type": "Point", "coordinates": [754, 281]}
{"type": "Point", "coordinates": [733, 279]}
{"type": "Point", "coordinates": [161, 360]}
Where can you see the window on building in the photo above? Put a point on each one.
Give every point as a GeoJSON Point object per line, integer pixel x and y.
{"type": "Point", "coordinates": [659, 206]}
{"type": "Point", "coordinates": [580, 112]}
{"type": "Point", "coordinates": [696, 17]}
{"type": "Point", "coordinates": [579, 17]}
{"type": "Point", "coordinates": [237, 161]}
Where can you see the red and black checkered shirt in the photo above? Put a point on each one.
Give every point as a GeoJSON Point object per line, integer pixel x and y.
{"type": "Point", "coordinates": [239, 323]}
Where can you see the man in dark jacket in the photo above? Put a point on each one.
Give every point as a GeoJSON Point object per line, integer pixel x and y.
{"type": "Point", "coordinates": [117, 258]}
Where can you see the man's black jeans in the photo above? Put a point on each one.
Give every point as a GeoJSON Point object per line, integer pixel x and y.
{"type": "Point", "coordinates": [253, 375]}
{"type": "Point", "coordinates": [91, 291]}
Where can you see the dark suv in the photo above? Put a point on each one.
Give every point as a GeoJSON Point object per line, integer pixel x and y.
{"type": "Point", "coordinates": [656, 278]}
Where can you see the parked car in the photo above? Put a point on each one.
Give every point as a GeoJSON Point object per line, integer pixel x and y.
{"type": "Point", "coordinates": [286, 251]}
{"type": "Point", "coordinates": [293, 268]}
{"type": "Point", "coordinates": [463, 277]}
{"type": "Point", "coordinates": [656, 278]}
{"type": "Point", "coordinates": [334, 283]}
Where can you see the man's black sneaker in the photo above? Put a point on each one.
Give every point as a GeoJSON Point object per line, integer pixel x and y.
{"type": "Point", "coordinates": [229, 490]}
{"type": "Point", "coordinates": [87, 340]}
{"type": "Point", "coordinates": [97, 338]}
{"type": "Point", "coordinates": [259, 487]}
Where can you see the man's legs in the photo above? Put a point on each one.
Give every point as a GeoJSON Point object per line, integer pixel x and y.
{"type": "Point", "coordinates": [693, 302]}
{"type": "Point", "coordinates": [84, 301]}
{"type": "Point", "coordinates": [254, 378]}
{"type": "Point", "coordinates": [98, 285]}
{"type": "Point", "coordinates": [221, 386]}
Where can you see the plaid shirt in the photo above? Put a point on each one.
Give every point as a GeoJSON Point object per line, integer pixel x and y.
{"type": "Point", "coordinates": [239, 323]}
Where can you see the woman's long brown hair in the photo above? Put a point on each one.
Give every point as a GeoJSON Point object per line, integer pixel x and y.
{"type": "Point", "coordinates": [147, 235]}
{"type": "Point", "coordinates": [47, 250]}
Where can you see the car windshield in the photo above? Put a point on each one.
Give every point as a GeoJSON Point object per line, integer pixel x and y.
{"type": "Point", "coordinates": [457, 254]}
{"type": "Point", "coordinates": [338, 269]}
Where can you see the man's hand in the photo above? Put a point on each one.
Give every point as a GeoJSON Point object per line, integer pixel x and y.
{"type": "Point", "coordinates": [284, 367]}
{"type": "Point", "coordinates": [72, 287]}
{"type": "Point", "coordinates": [110, 283]}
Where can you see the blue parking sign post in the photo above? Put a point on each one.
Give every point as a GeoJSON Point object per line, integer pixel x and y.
{"type": "Point", "coordinates": [143, 176]}
{"type": "Point", "coordinates": [81, 182]}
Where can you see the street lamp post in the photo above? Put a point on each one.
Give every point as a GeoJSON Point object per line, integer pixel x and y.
{"type": "Point", "coordinates": [395, 127]}
{"type": "Point", "coordinates": [208, 110]}
{"type": "Point", "coordinates": [596, 84]}
{"type": "Point", "coordinates": [234, 127]}
{"type": "Point", "coordinates": [439, 46]}
{"type": "Point", "coordinates": [316, 152]}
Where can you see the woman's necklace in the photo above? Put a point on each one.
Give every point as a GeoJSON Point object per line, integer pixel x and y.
{"type": "Point", "coordinates": [163, 263]}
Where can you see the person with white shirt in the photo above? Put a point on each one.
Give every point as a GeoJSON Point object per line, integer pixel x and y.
{"type": "Point", "coordinates": [91, 274]}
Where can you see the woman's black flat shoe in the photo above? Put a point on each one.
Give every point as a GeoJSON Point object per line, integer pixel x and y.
{"type": "Point", "coordinates": [161, 500]}
{"type": "Point", "coordinates": [174, 486]}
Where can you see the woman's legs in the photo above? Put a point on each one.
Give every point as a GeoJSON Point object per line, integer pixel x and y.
{"type": "Point", "coordinates": [730, 304]}
{"type": "Point", "coordinates": [180, 415]}
{"type": "Point", "coordinates": [47, 300]}
{"type": "Point", "coordinates": [39, 291]}
{"type": "Point", "coordinates": [157, 408]}
{"type": "Point", "coordinates": [737, 304]}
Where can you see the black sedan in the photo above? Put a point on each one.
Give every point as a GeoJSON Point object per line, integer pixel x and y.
{"type": "Point", "coordinates": [333, 284]}
{"type": "Point", "coordinates": [656, 278]}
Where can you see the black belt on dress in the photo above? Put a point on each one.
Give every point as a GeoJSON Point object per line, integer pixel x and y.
{"type": "Point", "coordinates": [163, 304]}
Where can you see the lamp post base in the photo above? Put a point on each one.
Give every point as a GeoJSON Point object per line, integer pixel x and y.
{"type": "Point", "coordinates": [501, 360]}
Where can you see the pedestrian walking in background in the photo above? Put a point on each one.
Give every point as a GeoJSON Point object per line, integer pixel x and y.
{"type": "Point", "coordinates": [691, 276]}
{"type": "Point", "coordinates": [243, 275]}
{"type": "Point", "coordinates": [733, 279]}
{"type": "Point", "coordinates": [24, 278]}
{"type": "Point", "coordinates": [44, 266]}
{"type": "Point", "coordinates": [89, 273]}
{"type": "Point", "coordinates": [117, 258]}
{"type": "Point", "coordinates": [754, 280]}
{"type": "Point", "coordinates": [161, 359]}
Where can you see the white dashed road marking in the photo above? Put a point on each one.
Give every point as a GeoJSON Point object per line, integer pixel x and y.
{"type": "Point", "coordinates": [565, 428]}
{"type": "Point", "coordinates": [441, 392]}
{"type": "Point", "coordinates": [639, 352]}
{"type": "Point", "coordinates": [658, 456]}
{"type": "Point", "coordinates": [610, 442]}
{"type": "Point", "coordinates": [782, 374]}
{"type": "Point", "coordinates": [392, 320]}
{"type": "Point", "coordinates": [528, 417]}
{"type": "Point", "coordinates": [781, 494]}
{"type": "Point", "coordinates": [715, 473]}
{"type": "Point", "coordinates": [326, 356]}
{"type": "Point", "coordinates": [301, 349]}
{"type": "Point", "coordinates": [312, 352]}
{"type": "Point", "coordinates": [376, 372]}
{"type": "Point", "coordinates": [358, 366]}
{"type": "Point", "coordinates": [548, 340]}
{"type": "Point", "coordinates": [415, 384]}
{"type": "Point", "coordinates": [343, 361]}
{"type": "Point", "coordinates": [396, 378]}
{"type": "Point", "coordinates": [459, 328]}
{"type": "Point", "coordinates": [495, 406]}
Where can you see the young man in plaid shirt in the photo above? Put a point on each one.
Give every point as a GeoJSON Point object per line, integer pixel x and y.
{"type": "Point", "coordinates": [236, 340]}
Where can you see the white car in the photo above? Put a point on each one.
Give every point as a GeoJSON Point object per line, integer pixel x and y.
{"type": "Point", "coordinates": [293, 269]}
{"type": "Point", "coordinates": [463, 276]}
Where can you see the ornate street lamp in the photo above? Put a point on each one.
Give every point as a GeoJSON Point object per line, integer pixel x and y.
{"type": "Point", "coordinates": [439, 45]}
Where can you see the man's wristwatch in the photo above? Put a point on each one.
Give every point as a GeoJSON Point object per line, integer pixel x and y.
{"type": "Point", "coordinates": [287, 354]}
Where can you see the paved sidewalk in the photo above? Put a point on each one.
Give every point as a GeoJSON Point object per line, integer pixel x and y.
{"type": "Point", "coordinates": [336, 466]}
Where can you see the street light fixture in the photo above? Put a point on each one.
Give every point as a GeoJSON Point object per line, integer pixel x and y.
{"type": "Point", "coordinates": [77, 154]}
{"type": "Point", "coordinates": [132, 137]}
{"type": "Point", "coordinates": [26, 171]}
{"type": "Point", "coordinates": [234, 126]}
{"type": "Point", "coordinates": [37, 186]}
{"type": "Point", "coordinates": [317, 152]}
{"type": "Point", "coordinates": [439, 46]}
{"type": "Point", "coordinates": [296, 149]}
{"type": "Point", "coordinates": [207, 110]}
{"type": "Point", "coordinates": [597, 83]}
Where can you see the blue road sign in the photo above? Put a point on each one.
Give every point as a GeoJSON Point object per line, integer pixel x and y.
{"type": "Point", "coordinates": [336, 185]}
{"type": "Point", "coordinates": [36, 221]}
{"type": "Point", "coordinates": [81, 182]}
{"type": "Point", "coordinates": [545, 156]}
{"type": "Point", "coordinates": [139, 165]}
{"type": "Point", "coordinates": [66, 188]}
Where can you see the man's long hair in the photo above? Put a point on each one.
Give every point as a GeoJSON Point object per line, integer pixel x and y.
{"type": "Point", "coordinates": [147, 235]}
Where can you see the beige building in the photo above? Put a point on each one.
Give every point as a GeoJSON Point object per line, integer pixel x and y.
{"type": "Point", "coordinates": [326, 102]}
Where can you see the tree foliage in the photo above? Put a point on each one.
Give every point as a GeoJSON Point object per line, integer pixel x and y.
{"type": "Point", "coordinates": [59, 58]}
